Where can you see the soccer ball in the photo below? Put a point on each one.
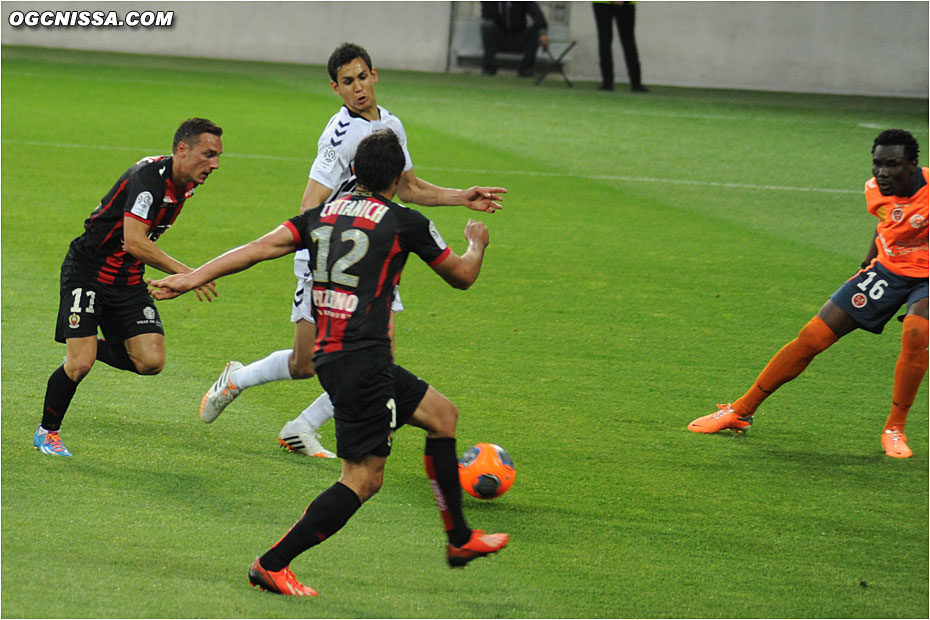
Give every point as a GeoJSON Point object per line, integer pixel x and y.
{"type": "Point", "coordinates": [486, 471]}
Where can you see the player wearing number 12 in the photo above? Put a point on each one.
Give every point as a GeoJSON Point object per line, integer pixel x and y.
{"type": "Point", "coordinates": [358, 246]}
{"type": "Point", "coordinates": [893, 274]}
{"type": "Point", "coordinates": [353, 78]}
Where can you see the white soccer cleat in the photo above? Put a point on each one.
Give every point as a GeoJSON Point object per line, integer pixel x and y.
{"type": "Point", "coordinates": [298, 436]}
{"type": "Point", "coordinates": [220, 395]}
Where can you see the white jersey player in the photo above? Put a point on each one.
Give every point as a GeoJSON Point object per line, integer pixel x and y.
{"type": "Point", "coordinates": [332, 168]}
{"type": "Point", "coordinates": [353, 78]}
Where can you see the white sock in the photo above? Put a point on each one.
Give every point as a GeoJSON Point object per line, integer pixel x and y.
{"type": "Point", "coordinates": [272, 368]}
{"type": "Point", "coordinates": [318, 412]}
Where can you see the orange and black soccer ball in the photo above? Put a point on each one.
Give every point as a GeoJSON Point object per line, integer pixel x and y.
{"type": "Point", "coordinates": [486, 471]}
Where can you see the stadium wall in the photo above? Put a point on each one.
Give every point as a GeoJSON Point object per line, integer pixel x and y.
{"type": "Point", "coordinates": [876, 48]}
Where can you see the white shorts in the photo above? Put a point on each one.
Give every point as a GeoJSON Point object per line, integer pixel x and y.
{"type": "Point", "coordinates": [302, 308]}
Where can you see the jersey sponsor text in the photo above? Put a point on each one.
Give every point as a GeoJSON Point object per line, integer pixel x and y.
{"type": "Point", "coordinates": [335, 303]}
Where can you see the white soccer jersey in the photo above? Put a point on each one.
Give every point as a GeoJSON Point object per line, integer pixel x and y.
{"type": "Point", "coordinates": [338, 143]}
{"type": "Point", "coordinates": [333, 168]}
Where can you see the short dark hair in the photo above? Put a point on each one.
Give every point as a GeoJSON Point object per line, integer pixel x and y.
{"type": "Point", "coordinates": [894, 137]}
{"type": "Point", "coordinates": [343, 55]}
{"type": "Point", "coordinates": [379, 160]}
{"type": "Point", "coordinates": [190, 131]}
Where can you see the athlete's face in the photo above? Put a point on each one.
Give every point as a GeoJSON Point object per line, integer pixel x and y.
{"type": "Point", "coordinates": [893, 173]}
{"type": "Point", "coordinates": [196, 161]}
{"type": "Point", "coordinates": [355, 83]}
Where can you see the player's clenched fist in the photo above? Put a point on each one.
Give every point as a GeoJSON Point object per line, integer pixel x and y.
{"type": "Point", "coordinates": [477, 232]}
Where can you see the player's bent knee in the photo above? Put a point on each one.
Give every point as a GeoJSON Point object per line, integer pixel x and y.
{"type": "Point", "coordinates": [149, 369]}
{"type": "Point", "coordinates": [77, 369]}
{"type": "Point", "coordinates": [373, 486]}
{"type": "Point", "coordinates": [445, 419]}
{"type": "Point", "coordinates": [149, 364]}
{"type": "Point", "coordinates": [450, 419]}
{"type": "Point", "coordinates": [914, 333]}
{"type": "Point", "coordinates": [816, 337]}
{"type": "Point", "coordinates": [147, 352]}
{"type": "Point", "coordinates": [365, 487]}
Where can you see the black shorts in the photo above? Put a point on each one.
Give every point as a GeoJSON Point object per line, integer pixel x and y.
{"type": "Point", "coordinates": [372, 397]}
{"type": "Point", "coordinates": [872, 296]}
{"type": "Point", "coordinates": [121, 312]}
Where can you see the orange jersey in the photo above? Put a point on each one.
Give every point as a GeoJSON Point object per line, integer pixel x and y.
{"type": "Point", "coordinates": [902, 230]}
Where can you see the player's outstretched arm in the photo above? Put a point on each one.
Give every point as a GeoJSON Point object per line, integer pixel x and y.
{"type": "Point", "coordinates": [277, 243]}
{"type": "Point", "coordinates": [418, 191]}
{"type": "Point", "coordinates": [137, 243]}
{"type": "Point", "coordinates": [462, 271]}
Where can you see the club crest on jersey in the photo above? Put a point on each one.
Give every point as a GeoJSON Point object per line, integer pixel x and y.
{"type": "Point", "coordinates": [859, 300]}
{"type": "Point", "coordinates": [74, 321]}
{"type": "Point", "coordinates": [918, 221]}
{"type": "Point", "coordinates": [897, 214]}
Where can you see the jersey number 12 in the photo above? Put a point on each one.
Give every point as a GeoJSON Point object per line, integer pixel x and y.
{"type": "Point", "coordinates": [322, 236]}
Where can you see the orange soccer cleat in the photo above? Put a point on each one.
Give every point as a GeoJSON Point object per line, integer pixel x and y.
{"type": "Point", "coordinates": [479, 545]}
{"type": "Point", "coordinates": [895, 444]}
{"type": "Point", "coordinates": [723, 418]}
{"type": "Point", "coordinates": [279, 582]}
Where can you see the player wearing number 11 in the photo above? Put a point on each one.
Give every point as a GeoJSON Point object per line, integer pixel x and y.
{"type": "Point", "coordinates": [358, 245]}
{"type": "Point", "coordinates": [893, 274]}
{"type": "Point", "coordinates": [102, 275]}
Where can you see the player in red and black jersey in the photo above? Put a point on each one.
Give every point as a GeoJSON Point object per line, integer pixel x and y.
{"type": "Point", "coordinates": [358, 246]}
{"type": "Point", "coordinates": [353, 78]}
{"type": "Point", "coordinates": [147, 193]}
{"type": "Point", "coordinates": [102, 275]}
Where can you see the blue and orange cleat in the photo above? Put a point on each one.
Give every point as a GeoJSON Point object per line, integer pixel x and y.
{"type": "Point", "coordinates": [479, 545]}
{"type": "Point", "coordinates": [278, 582]}
{"type": "Point", "coordinates": [49, 442]}
{"type": "Point", "coordinates": [721, 419]}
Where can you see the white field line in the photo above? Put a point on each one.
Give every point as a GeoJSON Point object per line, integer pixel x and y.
{"type": "Point", "coordinates": [589, 177]}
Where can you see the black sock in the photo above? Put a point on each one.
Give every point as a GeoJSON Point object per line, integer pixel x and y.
{"type": "Point", "coordinates": [115, 355]}
{"type": "Point", "coordinates": [324, 517]}
{"type": "Point", "coordinates": [442, 468]}
{"type": "Point", "coordinates": [58, 396]}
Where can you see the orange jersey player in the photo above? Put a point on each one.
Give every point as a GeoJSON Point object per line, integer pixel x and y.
{"type": "Point", "coordinates": [894, 274]}
{"type": "Point", "coordinates": [901, 235]}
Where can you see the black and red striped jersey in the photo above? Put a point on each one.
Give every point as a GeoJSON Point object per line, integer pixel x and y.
{"type": "Point", "coordinates": [358, 246]}
{"type": "Point", "coordinates": [146, 193]}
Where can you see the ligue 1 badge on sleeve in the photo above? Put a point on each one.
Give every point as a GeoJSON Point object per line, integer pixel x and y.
{"type": "Point", "coordinates": [74, 321]}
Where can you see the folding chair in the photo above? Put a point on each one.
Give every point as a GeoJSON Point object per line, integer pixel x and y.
{"type": "Point", "coordinates": [555, 64]}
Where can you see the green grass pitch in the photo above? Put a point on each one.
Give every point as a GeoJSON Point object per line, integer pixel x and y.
{"type": "Point", "coordinates": [654, 252]}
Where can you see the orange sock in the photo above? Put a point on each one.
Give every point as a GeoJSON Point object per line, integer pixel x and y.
{"type": "Point", "coordinates": [787, 364]}
{"type": "Point", "coordinates": [909, 371]}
